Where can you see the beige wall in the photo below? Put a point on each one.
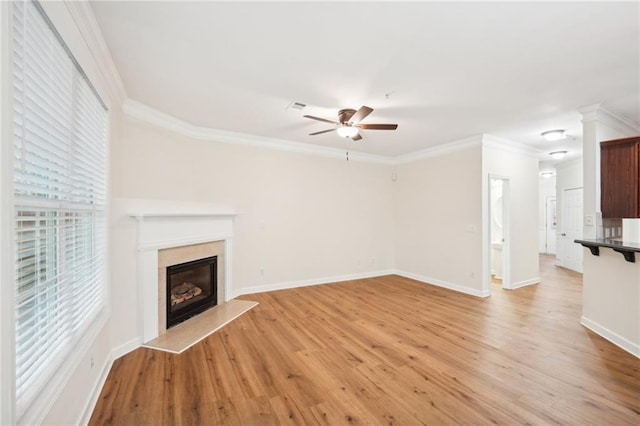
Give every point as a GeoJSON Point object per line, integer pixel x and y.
{"type": "Point", "coordinates": [301, 218]}
{"type": "Point", "coordinates": [438, 204]}
{"type": "Point", "coordinates": [611, 302]}
{"type": "Point", "coordinates": [522, 172]}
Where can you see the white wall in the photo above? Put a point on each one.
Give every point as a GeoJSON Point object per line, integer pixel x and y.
{"type": "Point", "coordinates": [522, 172]}
{"type": "Point", "coordinates": [302, 218]}
{"type": "Point", "coordinates": [438, 203]}
{"type": "Point", "coordinates": [546, 189]}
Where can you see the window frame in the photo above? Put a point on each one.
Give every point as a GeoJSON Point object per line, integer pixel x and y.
{"type": "Point", "coordinates": [83, 349]}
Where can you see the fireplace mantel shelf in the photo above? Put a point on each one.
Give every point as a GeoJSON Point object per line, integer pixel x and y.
{"type": "Point", "coordinates": [139, 215]}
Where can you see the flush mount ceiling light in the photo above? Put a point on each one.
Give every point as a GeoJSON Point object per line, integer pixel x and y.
{"type": "Point", "coordinates": [553, 135]}
{"type": "Point", "coordinates": [347, 131]}
{"type": "Point", "coordinates": [546, 175]}
{"type": "Point", "coordinates": [558, 155]}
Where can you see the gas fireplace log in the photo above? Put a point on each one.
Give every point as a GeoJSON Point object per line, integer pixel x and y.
{"type": "Point", "coordinates": [183, 292]}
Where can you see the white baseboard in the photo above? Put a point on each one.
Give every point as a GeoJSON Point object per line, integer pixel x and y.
{"type": "Point", "coordinates": [125, 348]}
{"type": "Point", "coordinates": [315, 281]}
{"type": "Point", "coordinates": [95, 394]}
{"type": "Point", "coordinates": [445, 284]}
{"type": "Point", "coordinates": [115, 353]}
{"type": "Point", "coordinates": [616, 339]}
{"type": "Point", "coordinates": [525, 283]}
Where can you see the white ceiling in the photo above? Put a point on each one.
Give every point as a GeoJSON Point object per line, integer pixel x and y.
{"type": "Point", "coordinates": [442, 71]}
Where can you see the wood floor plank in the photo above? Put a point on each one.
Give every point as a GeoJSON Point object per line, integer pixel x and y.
{"type": "Point", "coordinates": [387, 350]}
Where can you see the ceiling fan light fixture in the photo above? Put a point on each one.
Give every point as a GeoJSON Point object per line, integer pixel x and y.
{"type": "Point", "coordinates": [553, 135]}
{"type": "Point", "coordinates": [558, 155]}
{"type": "Point", "coordinates": [347, 131]}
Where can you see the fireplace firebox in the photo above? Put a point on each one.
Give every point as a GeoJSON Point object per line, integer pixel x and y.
{"type": "Point", "coordinates": [191, 289]}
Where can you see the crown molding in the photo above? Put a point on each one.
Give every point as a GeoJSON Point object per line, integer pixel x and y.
{"type": "Point", "coordinates": [149, 115]}
{"type": "Point", "coordinates": [165, 121]}
{"type": "Point", "coordinates": [609, 118]}
{"type": "Point", "coordinates": [439, 150]}
{"type": "Point", "coordinates": [87, 24]}
{"type": "Point", "coordinates": [507, 145]}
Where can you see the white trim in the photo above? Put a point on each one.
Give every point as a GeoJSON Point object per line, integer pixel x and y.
{"type": "Point", "coordinates": [506, 145]}
{"type": "Point", "coordinates": [310, 282]}
{"type": "Point", "coordinates": [440, 150]}
{"type": "Point", "coordinates": [616, 339]}
{"type": "Point", "coordinates": [115, 353]}
{"type": "Point", "coordinates": [85, 20]}
{"type": "Point", "coordinates": [445, 284]}
{"type": "Point", "coordinates": [7, 296]}
{"type": "Point", "coordinates": [184, 241]}
{"type": "Point", "coordinates": [41, 406]}
{"type": "Point", "coordinates": [91, 402]}
{"type": "Point", "coordinates": [149, 115]}
{"type": "Point", "coordinates": [165, 121]}
{"type": "Point", "coordinates": [525, 283]}
{"type": "Point", "coordinates": [609, 118]}
{"type": "Point", "coordinates": [182, 214]}
{"type": "Point", "coordinates": [125, 348]}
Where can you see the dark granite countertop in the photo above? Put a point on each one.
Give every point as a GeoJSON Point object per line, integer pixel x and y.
{"type": "Point", "coordinates": [627, 249]}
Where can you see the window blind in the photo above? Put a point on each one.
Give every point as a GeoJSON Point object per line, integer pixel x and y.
{"type": "Point", "coordinates": [59, 188]}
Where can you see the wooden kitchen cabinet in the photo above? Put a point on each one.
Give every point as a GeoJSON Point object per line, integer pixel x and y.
{"type": "Point", "coordinates": [620, 178]}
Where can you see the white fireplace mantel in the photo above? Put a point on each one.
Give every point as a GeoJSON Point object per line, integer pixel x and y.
{"type": "Point", "coordinates": [162, 225]}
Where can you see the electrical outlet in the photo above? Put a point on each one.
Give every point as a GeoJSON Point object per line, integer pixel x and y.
{"type": "Point", "coordinates": [92, 362]}
{"type": "Point", "coordinates": [588, 220]}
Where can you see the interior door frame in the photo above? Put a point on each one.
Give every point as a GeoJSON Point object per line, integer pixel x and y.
{"type": "Point", "coordinates": [566, 240]}
{"type": "Point", "coordinates": [506, 232]}
{"type": "Point", "coordinates": [548, 228]}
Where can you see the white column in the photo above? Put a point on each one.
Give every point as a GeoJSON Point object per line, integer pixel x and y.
{"type": "Point", "coordinates": [598, 124]}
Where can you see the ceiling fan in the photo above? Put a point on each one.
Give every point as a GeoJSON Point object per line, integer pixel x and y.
{"type": "Point", "coordinates": [348, 123]}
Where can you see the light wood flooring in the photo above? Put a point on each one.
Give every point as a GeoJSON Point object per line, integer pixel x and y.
{"type": "Point", "coordinates": [387, 350]}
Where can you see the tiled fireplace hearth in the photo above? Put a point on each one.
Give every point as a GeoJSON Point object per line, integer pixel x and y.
{"type": "Point", "coordinates": [169, 234]}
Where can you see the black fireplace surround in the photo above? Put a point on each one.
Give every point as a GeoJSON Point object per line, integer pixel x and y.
{"type": "Point", "coordinates": [192, 288]}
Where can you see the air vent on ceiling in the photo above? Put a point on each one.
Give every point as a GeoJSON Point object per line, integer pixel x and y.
{"type": "Point", "coordinates": [296, 105]}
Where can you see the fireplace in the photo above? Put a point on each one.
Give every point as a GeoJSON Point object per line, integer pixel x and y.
{"type": "Point", "coordinates": [191, 289]}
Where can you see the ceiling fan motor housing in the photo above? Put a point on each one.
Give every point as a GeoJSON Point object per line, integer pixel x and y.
{"type": "Point", "coordinates": [345, 114]}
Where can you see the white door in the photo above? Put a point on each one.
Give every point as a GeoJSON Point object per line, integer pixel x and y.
{"type": "Point", "coordinates": [571, 224]}
{"type": "Point", "coordinates": [551, 225]}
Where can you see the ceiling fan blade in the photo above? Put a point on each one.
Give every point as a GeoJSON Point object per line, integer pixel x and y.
{"type": "Point", "coordinates": [377, 126]}
{"type": "Point", "coordinates": [320, 119]}
{"type": "Point", "coordinates": [357, 137]}
{"type": "Point", "coordinates": [321, 132]}
{"type": "Point", "coordinates": [360, 114]}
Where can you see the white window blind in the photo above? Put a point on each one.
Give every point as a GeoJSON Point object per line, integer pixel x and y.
{"type": "Point", "coordinates": [60, 146]}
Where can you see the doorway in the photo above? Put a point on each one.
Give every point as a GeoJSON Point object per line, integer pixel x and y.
{"type": "Point", "coordinates": [499, 199]}
{"type": "Point", "coordinates": [551, 225]}
{"type": "Point", "coordinates": [571, 229]}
